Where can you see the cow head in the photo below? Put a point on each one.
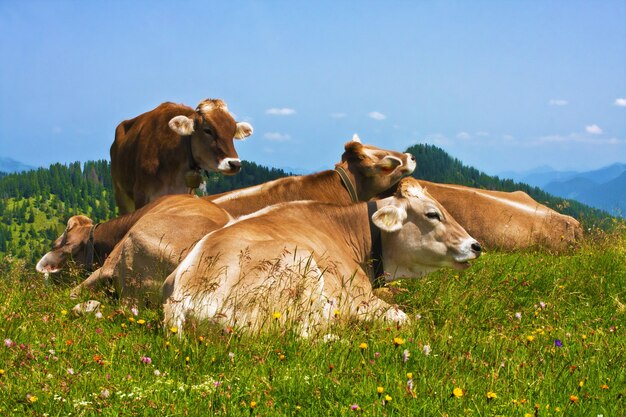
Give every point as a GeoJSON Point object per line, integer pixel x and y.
{"type": "Point", "coordinates": [374, 169]}
{"type": "Point", "coordinates": [419, 235]}
{"type": "Point", "coordinates": [70, 245]}
{"type": "Point", "coordinates": [212, 130]}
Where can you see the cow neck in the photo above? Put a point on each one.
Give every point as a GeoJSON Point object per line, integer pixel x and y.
{"type": "Point", "coordinates": [345, 180]}
{"type": "Point", "coordinates": [193, 165]}
{"type": "Point", "coordinates": [376, 253]}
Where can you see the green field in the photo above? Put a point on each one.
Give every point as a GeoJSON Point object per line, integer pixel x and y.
{"type": "Point", "coordinates": [520, 334]}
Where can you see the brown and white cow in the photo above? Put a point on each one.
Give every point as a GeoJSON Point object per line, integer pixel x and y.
{"type": "Point", "coordinates": [155, 245]}
{"type": "Point", "coordinates": [503, 220]}
{"type": "Point", "coordinates": [157, 152]}
{"type": "Point", "coordinates": [309, 261]}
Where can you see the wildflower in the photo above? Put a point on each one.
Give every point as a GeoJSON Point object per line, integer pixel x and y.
{"type": "Point", "coordinates": [409, 382]}
{"type": "Point", "coordinates": [388, 398]}
{"type": "Point", "coordinates": [157, 372]}
{"type": "Point", "coordinates": [491, 395]}
{"type": "Point", "coordinates": [9, 343]}
{"type": "Point", "coordinates": [231, 355]}
{"type": "Point", "coordinates": [409, 375]}
{"type": "Point", "coordinates": [542, 304]}
{"type": "Point", "coordinates": [281, 357]}
{"type": "Point", "coordinates": [398, 341]}
{"type": "Point", "coordinates": [252, 404]}
{"type": "Point", "coordinates": [2, 372]}
{"type": "Point", "coordinates": [331, 367]}
{"type": "Point", "coordinates": [276, 315]}
{"type": "Point", "coordinates": [31, 398]}
{"type": "Point", "coordinates": [174, 329]}
{"type": "Point", "coordinates": [123, 325]}
{"type": "Point", "coordinates": [457, 392]}
{"type": "Point", "coordinates": [98, 315]}
{"type": "Point", "coordinates": [573, 399]}
{"type": "Point", "coordinates": [426, 350]}
{"type": "Point", "coordinates": [363, 346]}
{"type": "Point", "coordinates": [336, 313]}
{"type": "Point", "coordinates": [70, 371]}
{"type": "Point", "coordinates": [131, 319]}
{"type": "Point", "coordinates": [377, 355]}
{"type": "Point", "coordinates": [530, 338]}
{"type": "Point", "coordinates": [418, 316]}
{"type": "Point", "coordinates": [98, 330]}
{"type": "Point", "coordinates": [354, 407]}
{"type": "Point", "coordinates": [105, 393]}
{"type": "Point", "coordinates": [146, 359]}
{"type": "Point", "coordinates": [584, 337]}
{"type": "Point", "coordinates": [518, 315]}
{"type": "Point", "coordinates": [581, 384]}
{"type": "Point", "coordinates": [380, 390]}
{"type": "Point", "coordinates": [134, 311]}
{"type": "Point", "coordinates": [69, 342]}
{"type": "Point", "coordinates": [141, 321]}
{"type": "Point", "coordinates": [187, 359]}
{"type": "Point", "coordinates": [603, 386]}
{"type": "Point", "coordinates": [64, 312]}
{"type": "Point", "coordinates": [558, 343]}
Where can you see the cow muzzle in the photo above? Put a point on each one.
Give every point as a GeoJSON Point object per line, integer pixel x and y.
{"type": "Point", "coordinates": [229, 166]}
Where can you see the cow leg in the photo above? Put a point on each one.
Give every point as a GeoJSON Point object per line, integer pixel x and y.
{"type": "Point", "coordinates": [95, 282]}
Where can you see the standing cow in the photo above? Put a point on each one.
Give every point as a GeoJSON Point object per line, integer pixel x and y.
{"type": "Point", "coordinates": [163, 151]}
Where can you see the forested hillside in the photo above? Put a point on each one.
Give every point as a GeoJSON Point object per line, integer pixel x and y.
{"type": "Point", "coordinates": [434, 164]}
{"type": "Point", "coordinates": [35, 205]}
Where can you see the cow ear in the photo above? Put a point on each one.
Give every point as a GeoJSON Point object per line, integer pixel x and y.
{"type": "Point", "coordinates": [409, 187]}
{"type": "Point", "coordinates": [389, 218]}
{"type": "Point", "coordinates": [244, 130]}
{"type": "Point", "coordinates": [182, 125]}
{"type": "Point", "coordinates": [388, 164]}
{"type": "Point", "coordinates": [356, 138]}
{"type": "Point", "coordinates": [78, 220]}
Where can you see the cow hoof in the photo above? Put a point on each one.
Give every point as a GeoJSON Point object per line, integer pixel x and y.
{"type": "Point", "coordinates": [91, 306]}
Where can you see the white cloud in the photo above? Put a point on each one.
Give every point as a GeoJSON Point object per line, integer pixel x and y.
{"type": "Point", "coordinates": [620, 102]}
{"type": "Point", "coordinates": [481, 133]}
{"type": "Point", "coordinates": [376, 115]}
{"type": "Point", "coordinates": [277, 136]}
{"type": "Point", "coordinates": [338, 115]}
{"type": "Point", "coordinates": [579, 138]}
{"type": "Point", "coordinates": [558, 102]}
{"type": "Point", "coordinates": [593, 129]}
{"type": "Point", "coordinates": [463, 136]}
{"type": "Point", "coordinates": [284, 111]}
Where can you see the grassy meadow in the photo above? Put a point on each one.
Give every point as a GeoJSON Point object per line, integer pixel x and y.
{"type": "Point", "coordinates": [521, 334]}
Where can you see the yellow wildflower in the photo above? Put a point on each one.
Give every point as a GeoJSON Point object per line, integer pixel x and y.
{"type": "Point", "coordinates": [388, 398]}
{"type": "Point", "coordinates": [276, 315]}
{"type": "Point", "coordinates": [380, 390]}
{"type": "Point", "coordinates": [252, 404]}
{"type": "Point", "coordinates": [131, 319]}
{"type": "Point", "coordinates": [603, 386]}
{"type": "Point", "coordinates": [363, 346]}
{"type": "Point", "coordinates": [398, 341]}
{"type": "Point", "coordinates": [281, 357]}
{"type": "Point", "coordinates": [336, 313]}
{"type": "Point", "coordinates": [581, 383]}
{"type": "Point", "coordinates": [409, 375]}
{"type": "Point", "coordinates": [141, 321]}
{"type": "Point", "coordinates": [1, 372]}
{"type": "Point", "coordinates": [63, 313]}
{"type": "Point", "coordinates": [32, 398]}
{"type": "Point", "coordinates": [457, 392]}
{"type": "Point", "coordinates": [491, 395]}
{"type": "Point", "coordinates": [530, 338]}
{"type": "Point", "coordinates": [174, 329]}
{"type": "Point", "coordinates": [573, 398]}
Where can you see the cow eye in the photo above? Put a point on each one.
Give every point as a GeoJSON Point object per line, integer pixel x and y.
{"type": "Point", "coordinates": [208, 131]}
{"type": "Point", "coordinates": [433, 215]}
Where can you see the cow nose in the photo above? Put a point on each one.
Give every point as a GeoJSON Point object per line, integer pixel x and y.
{"type": "Point", "coordinates": [234, 164]}
{"type": "Point", "coordinates": [413, 158]}
{"type": "Point", "coordinates": [476, 247]}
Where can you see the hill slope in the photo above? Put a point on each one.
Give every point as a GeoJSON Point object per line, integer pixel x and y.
{"type": "Point", "coordinates": [35, 205]}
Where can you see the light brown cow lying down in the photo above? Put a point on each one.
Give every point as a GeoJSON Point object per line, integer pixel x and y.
{"type": "Point", "coordinates": [506, 220]}
{"type": "Point", "coordinates": [309, 260]}
{"type": "Point", "coordinates": [155, 244]}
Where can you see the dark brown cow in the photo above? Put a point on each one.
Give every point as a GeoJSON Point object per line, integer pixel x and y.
{"type": "Point", "coordinates": [162, 151]}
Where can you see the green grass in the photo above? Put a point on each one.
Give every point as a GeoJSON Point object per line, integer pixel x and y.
{"type": "Point", "coordinates": [57, 364]}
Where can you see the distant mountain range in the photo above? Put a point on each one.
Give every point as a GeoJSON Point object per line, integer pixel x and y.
{"type": "Point", "coordinates": [603, 188]}
{"type": "Point", "coordinates": [9, 165]}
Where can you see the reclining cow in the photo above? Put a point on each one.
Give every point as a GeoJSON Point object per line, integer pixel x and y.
{"type": "Point", "coordinates": [310, 261]}
{"type": "Point", "coordinates": [163, 151]}
{"type": "Point", "coordinates": [509, 221]}
{"type": "Point", "coordinates": [154, 245]}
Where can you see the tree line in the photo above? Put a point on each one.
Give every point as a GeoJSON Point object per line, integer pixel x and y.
{"type": "Point", "coordinates": [35, 205]}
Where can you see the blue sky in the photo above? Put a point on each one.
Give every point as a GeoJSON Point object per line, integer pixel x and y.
{"type": "Point", "coordinates": [501, 85]}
